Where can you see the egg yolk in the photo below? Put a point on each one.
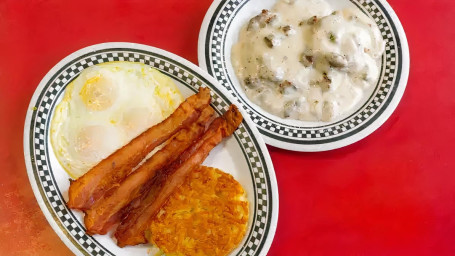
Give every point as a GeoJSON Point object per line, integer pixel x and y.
{"type": "Point", "coordinates": [94, 141]}
{"type": "Point", "coordinates": [98, 93]}
{"type": "Point", "coordinates": [136, 120]}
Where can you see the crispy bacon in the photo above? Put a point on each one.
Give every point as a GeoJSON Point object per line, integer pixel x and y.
{"type": "Point", "coordinates": [131, 230]}
{"type": "Point", "coordinates": [111, 171]}
{"type": "Point", "coordinates": [107, 211]}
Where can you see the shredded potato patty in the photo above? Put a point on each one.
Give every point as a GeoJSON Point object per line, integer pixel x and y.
{"type": "Point", "coordinates": [207, 215]}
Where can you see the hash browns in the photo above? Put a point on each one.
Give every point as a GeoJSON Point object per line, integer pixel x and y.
{"type": "Point", "coordinates": [207, 215]}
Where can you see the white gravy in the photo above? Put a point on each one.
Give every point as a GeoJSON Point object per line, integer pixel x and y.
{"type": "Point", "coordinates": [302, 60]}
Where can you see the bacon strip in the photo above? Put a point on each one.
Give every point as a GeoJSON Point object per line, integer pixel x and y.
{"type": "Point", "coordinates": [109, 172]}
{"type": "Point", "coordinates": [103, 214]}
{"type": "Point", "coordinates": [131, 230]}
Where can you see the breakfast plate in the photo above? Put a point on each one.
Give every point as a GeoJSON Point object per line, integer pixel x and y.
{"type": "Point", "coordinates": [244, 155]}
{"type": "Point", "coordinates": [220, 32]}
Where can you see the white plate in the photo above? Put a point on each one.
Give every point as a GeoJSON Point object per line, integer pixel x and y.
{"type": "Point", "coordinates": [244, 155]}
{"type": "Point", "coordinates": [219, 32]}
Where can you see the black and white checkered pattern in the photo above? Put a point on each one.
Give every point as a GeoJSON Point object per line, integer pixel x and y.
{"type": "Point", "coordinates": [43, 170]}
{"type": "Point", "coordinates": [261, 215]}
{"type": "Point", "coordinates": [216, 63]}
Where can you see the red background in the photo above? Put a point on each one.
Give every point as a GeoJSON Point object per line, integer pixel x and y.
{"type": "Point", "coordinates": [393, 193]}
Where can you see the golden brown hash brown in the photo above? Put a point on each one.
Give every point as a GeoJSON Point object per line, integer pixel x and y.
{"type": "Point", "coordinates": [207, 215]}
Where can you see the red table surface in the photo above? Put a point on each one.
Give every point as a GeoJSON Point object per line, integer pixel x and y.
{"type": "Point", "coordinates": [393, 193]}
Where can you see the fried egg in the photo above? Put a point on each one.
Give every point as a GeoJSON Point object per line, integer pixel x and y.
{"type": "Point", "coordinates": [104, 108]}
{"type": "Point", "coordinates": [207, 215]}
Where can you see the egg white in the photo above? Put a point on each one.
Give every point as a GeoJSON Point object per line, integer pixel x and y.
{"type": "Point", "coordinates": [105, 107]}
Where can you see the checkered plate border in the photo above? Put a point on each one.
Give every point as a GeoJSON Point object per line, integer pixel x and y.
{"type": "Point", "coordinates": [215, 59]}
{"type": "Point", "coordinates": [41, 171]}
